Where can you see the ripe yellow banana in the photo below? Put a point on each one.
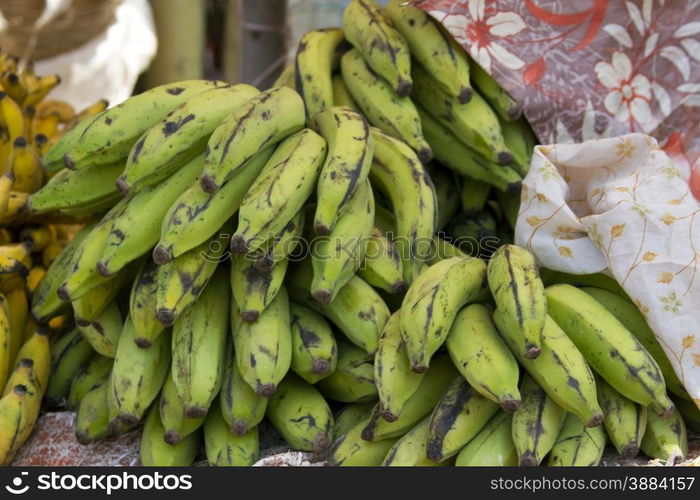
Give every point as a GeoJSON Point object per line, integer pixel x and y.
{"type": "Point", "coordinates": [492, 446]}
{"type": "Point", "coordinates": [314, 349]}
{"type": "Point", "coordinates": [5, 341]}
{"type": "Point", "coordinates": [26, 167]}
{"type": "Point", "coordinates": [577, 444]}
{"type": "Point", "coordinates": [37, 348]}
{"type": "Point", "coordinates": [16, 411]}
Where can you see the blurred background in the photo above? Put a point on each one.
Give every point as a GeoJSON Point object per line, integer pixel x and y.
{"type": "Point", "coordinates": [112, 48]}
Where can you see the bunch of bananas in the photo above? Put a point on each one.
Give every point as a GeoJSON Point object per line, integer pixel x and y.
{"type": "Point", "coordinates": [29, 125]}
{"type": "Point", "coordinates": [303, 220]}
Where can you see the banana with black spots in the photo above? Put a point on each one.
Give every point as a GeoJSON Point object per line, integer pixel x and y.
{"type": "Point", "coordinates": [352, 381]}
{"type": "Point", "coordinates": [625, 421]}
{"type": "Point", "coordinates": [142, 304]}
{"type": "Point", "coordinates": [53, 158]}
{"type": "Point", "coordinates": [14, 410]}
{"type": "Point", "coordinates": [69, 353]}
{"type": "Point", "coordinates": [38, 349]}
{"type": "Point", "coordinates": [314, 349]}
{"type": "Point", "coordinates": [350, 450]}
{"type": "Point", "coordinates": [492, 446]}
{"type": "Point", "coordinates": [224, 449]}
{"type": "Point", "coordinates": [411, 449]}
{"type": "Point", "coordinates": [173, 414]}
{"type": "Point", "coordinates": [382, 266]}
{"type": "Point", "coordinates": [154, 451]}
{"type": "Point", "coordinates": [520, 141]}
{"type": "Point", "coordinates": [241, 407]}
{"type": "Point", "coordinates": [498, 98]}
{"type": "Point", "coordinates": [92, 414]}
{"type": "Point", "coordinates": [92, 374]}
{"type": "Point", "coordinates": [91, 304]}
{"type": "Point", "coordinates": [577, 444]}
{"type": "Point", "coordinates": [282, 245]}
{"type": "Point", "coordinates": [350, 415]}
{"type": "Point", "coordinates": [104, 331]}
{"type": "Point", "coordinates": [665, 438]}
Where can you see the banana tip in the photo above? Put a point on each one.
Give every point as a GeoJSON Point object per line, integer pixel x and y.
{"type": "Point", "coordinates": [404, 88]}
{"type": "Point", "coordinates": [122, 186]}
{"type": "Point", "coordinates": [166, 317]}
{"type": "Point", "coordinates": [82, 438]}
{"type": "Point", "coordinates": [419, 368]}
{"type": "Point", "coordinates": [321, 366]}
{"type": "Point", "coordinates": [322, 442]}
{"type": "Point", "coordinates": [195, 412]}
{"type": "Point", "coordinates": [142, 342]}
{"type": "Point", "coordinates": [172, 437]}
{"type": "Point", "coordinates": [266, 390]}
{"type": "Point", "coordinates": [630, 451]}
{"type": "Point", "coordinates": [68, 162]}
{"type": "Point", "coordinates": [398, 287]}
{"type": "Point", "coordinates": [595, 421]}
{"type": "Point", "coordinates": [425, 154]}
{"type": "Point", "coordinates": [465, 95]}
{"type": "Point", "coordinates": [510, 405]}
{"type": "Point", "coordinates": [323, 296]}
{"type": "Point", "coordinates": [128, 419]}
{"type": "Point", "coordinates": [531, 352]}
{"type": "Point", "coordinates": [104, 270]}
{"type": "Point", "coordinates": [162, 255]}
{"type": "Point", "coordinates": [63, 293]}
{"type": "Point", "coordinates": [250, 316]}
{"type": "Point", "coordinates": [528, 459]}
{"type": "Point", "coordinates": [238, 244]}
{"type": "Point", "coordinates": [388, 416]}
{"type": "Point", "coordinates": [321, 229]}
{"type": "Point", "coordinates": [670, 409]}
{"type": "Point", "coordinates": [239, 428]}
{"type": "Point", "coordinates": [208, 184]}
{"type": "Point", "coordinates": [504, 158]}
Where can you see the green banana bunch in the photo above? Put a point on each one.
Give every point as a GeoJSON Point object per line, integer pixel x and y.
{"type": "Point", "coordinates": [316, 58]}
{"type": "Point", "coordinates": [665, 438]}
{"type": "Point", "coordinates": [350, 415]}
{"type": "Point", "coordinates": [93, 302]}
{"type": "Point", "coordinates": [263, 121]}
{"type": "Point", "coordinates": [350, 450]}
{"type": "Point", "coordinates": [181, 135]}
{"type": "Point", "coordinates": [353, 378]}
{"type": "Point", "coordinates": [628, 314]}
{"type": "Point", "coordinates": [474, 194]}
{"type": "Point", "coordinates": [241, 408]}
{"type": "Point", "coordinates": [577, 444]}
{"type": "Point", "coordinates": [474, 122]}
{"type": "Point", "coordinates": [395, 380]}
{"type": "Point", "coordinates": [224, 449]}
{"type": "Point", "coordinates": [137, 228]}
{"type": "Point", "coordinates": [383, 108]}
{"type": "Point", "coordinates": [560, 369]}
{"type": "Point", "coordinates": [182, 280]}
{"type": "Point", "coordinates": [492, 446]}
{"type": "Point", "coordinates": [173, 413]}
{"type": "Point", "coordinates": [382, 46]}
{"type": "Point", "coordinates": [53, 159]}
{"type": "Point", "coordinates": [154, 451]}
{"type": "Point", "coordinates": [520, 141]}
{"type": "Point", "coordinates": [350, 150]}
{"type": "Point", "coordinates": [45, 301]}
{"type": "Point", "coordinates": [464, 160]}
{"type": "Point", "coordinates": [497, 97]}
{"type": "Point", "coordinates": [398, 174]}
{"type": "Point", "coordinates": [264, 348]}
{"type": "Point", "coordinates": [446, 186]}
{"type": "Point", "coordinates": [104, 331]}
{"type": "Point", "coordinates": [411, 449]}
{"type": "Point", "coordinates": [625, 421]}
{"type": "Point", "coordinates": [92, 415]}
{"type": "Point", "coordinates": [138, 374]}
{"type": "Point", "coordinates": [301, 415]}
{"type": "Point", "coordinates": [195, 216]}
{"type": "Point", "coordinates": [69, 353]}
{"type": "Point", "coordinates": [419, 405]}
{"type": "Point", "coordinates": [287, 180]}
{"type": "Point", "coordinates": [536, 424]}
{"type": "Point", "coordinates": [382, 267]}
{"type": "Point", "coordinates": [341, 94]}
{"type": "Point", "coordinates": [70, 190]}
{"type": "Point", "coordinates": [111, 135]}
{"type": "Point", "coordinates": [336, 257]}
{"type": "Point", "coordinates": [609, 347]}
{"type": "Point", "coordinates": [482, 358]}
{"type": "Point", "coordinates": [519, 294]}
{"type": "Point", "coordinates": [432, 302]}
{"type": "Point", "coordinates": [358, 310]}
{"type": "Point", "coordinates": [437, 51]}
{"type": "Point", "coordinates": [92, 374]}
{"type": "Point", "coordinates": [459, 415]}
{"type": "Point", "coordinates": [199, 341]}
{"type": "Point", "coordinates": [142, 305]}
{"type": "Point", "coordinates": [314, 349]}
{"type": "Point", "coordinates": [253, 289]}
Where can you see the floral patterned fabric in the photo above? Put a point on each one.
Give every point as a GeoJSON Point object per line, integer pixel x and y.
{"type": "Point", "coordinates": [591, 68]}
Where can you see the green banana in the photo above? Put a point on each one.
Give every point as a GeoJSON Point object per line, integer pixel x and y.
{"type": "Point", "coordinates": [91, 304]}
{"type": "Point", "coordinates": [690, 412]}
{"type": "Point", "coordinates": [395, 381]}
{"type": "Point", "coordinates": [301, 415]}
{"type": "Point", "coordinates": [464, 160]}
{"type": "Point", "coordinates": [317, 56]}
{"type": "Point", "coordinates": [264, 348]}
{"type": "Point", "coordinates": [350, 415]}
{"type": "Point", "coordinates": [477, 234]}
{"type": "Point", "coordinates": [69, 353]}
{"type": "Point", "coordinates": [286, 77]}
{"type": "Point", "coordinates": [241, 408]}
{"type": "Point", "coordinates": [92, 415]}
{"type": "Point", "coordinates": [536, 424]}
{"type": "Point", "coordinates": [347, 165]}
{"type": "Point", "coordinates": [314, 349]}
{"type": "Point", "coordinates": [224, 449]}
{"type": "Point", "coordinates": [70, 190]}
{"type": "Point", "coordinates": [283, 245]}
{"type": "Point", "coordinates": [199, 342]}
{"type": "Point", "coordinates": [609, 347]}
{"type": "Point", "coordinates": [173, 414]}
{"type": "Point", "coordinates": [181, 135]}
{"type": "Point", "coordinates": [382, 46]}
{"type": "Point", "coordinates": [474, 122]}
{"type": "Point", "coordinates": [195, 215]}
{"type": "Point", "coordinates": [382, 266]}
{"type": "Point", "coordinates": [336, 257]}
{"type": "Point", "coordinates": [353, 378]}
{"type": "Point", "coordinates": [597, 280]}
{"type": "Point", "coordinates": [628, 314]}
{"type": "Point", "coordinates": [383, 108]}
{"type": "Point", "coordinates": [154, 451]}
{"type": "Point", "coordinates": [142, 305]}
{"type": "Point", "coordinates": [476, 349]}
{"type": "Point", "coordinates": [520, 141]}
{"type": "Point", "coordinates": [665, 438]}
{"type": "Point", "coordinates": [341, 94]}
{"type": "Point", "coordinates": [625, 421]}
{"type": "Point", "coordinates": [444, 249]}
{"type": "Point", "coordinates": [577, 444]}
{"type": "Point", "coordinates": [432, 47]}
{"type": "Point", "coordinates": [432, 302]}
{"type": "Point", "coordinates": [411, 449]}
{"type": "Point", "coordinates": [510, 207]}
{"type": "Point", "coordinates": [263, 121]}
{"type": "Point", "coordinates": [253, 289]}
{"type": "Point", "coordinates": [500, 101]}
{"type": "Point", "coordinates": [137, 228]}
{"type": "Point", "coordinates": [138, 374]}
{"type": "Point", "coordinates": [111, 135]}
{"type": "Point", "coordinates": [459, 415]}
{"type": "Point", "coordinates": [560, 369]}
{"type": "Point", "coordinates": [418, 406]}
{"type": "Point", "coordinates": [447, 186]}
{"type": "Point", "coordinates": [492, 446]}
{"type": "Point", "coordinates": [519, 294]}
{"type": "Point", "coordinates": [474, 194]}
{"type": "Point", "coordinates": [103, 332]}
{"type": "Point", "coordinates": [398, 174]}
{"type": "Point", "coordinates": [53, 159]}
{"type": "Point", "coordinates": [92, 374]}
{"type": "Point", "coordinates": [350, 450]}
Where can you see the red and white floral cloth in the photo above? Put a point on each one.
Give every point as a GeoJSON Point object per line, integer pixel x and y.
{"type": "Point", "coordinates": [591, 68]}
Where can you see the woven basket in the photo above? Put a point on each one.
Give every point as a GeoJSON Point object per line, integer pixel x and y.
{"type": "Point", "coordinates": [80, 22]}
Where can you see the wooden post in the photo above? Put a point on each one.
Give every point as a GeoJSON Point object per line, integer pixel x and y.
{"type": "Point", "coordinates": [231, 50]}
